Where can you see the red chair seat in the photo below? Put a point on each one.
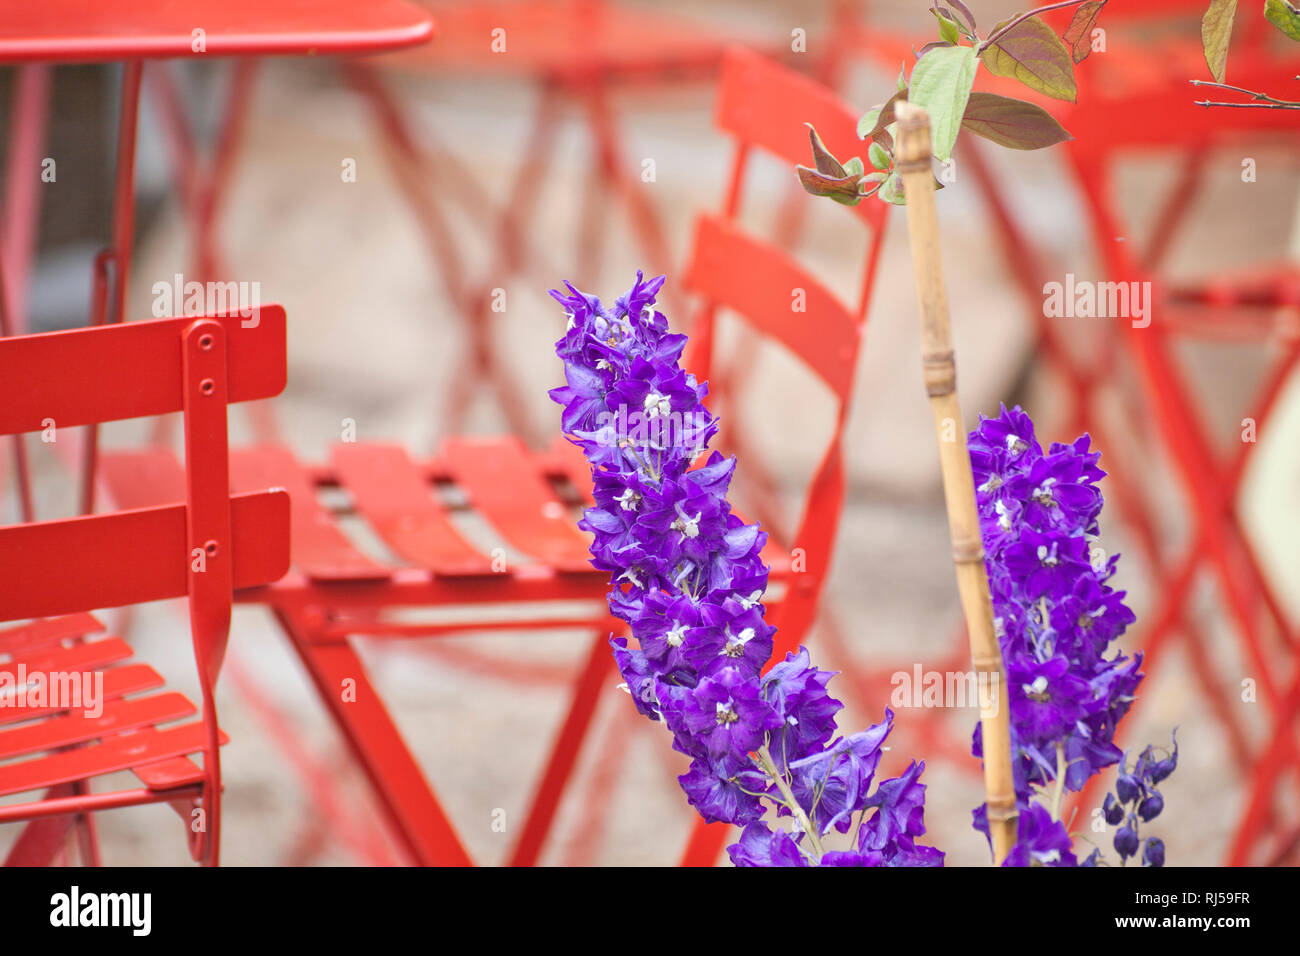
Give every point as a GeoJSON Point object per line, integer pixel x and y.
{"type": "Point", "coordinates": [47, 744]}
{"type": "Point", "coordinates": [417, 510]}
{"type": "Point", "coordinates": [559, 37]}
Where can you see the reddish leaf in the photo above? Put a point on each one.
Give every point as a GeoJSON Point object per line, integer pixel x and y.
{"type": "Point", "coordinates": [1012, 123]}
{"type": "Point", "coordinates": [826, 164]}
{"type": "Point", "coordinates": [842, 189]}
{"type": "Point", "coordinates": [1078, 35]}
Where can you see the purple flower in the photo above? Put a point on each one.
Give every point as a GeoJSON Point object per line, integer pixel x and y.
{"type": "Point", "coordinates": [759, 846]}
{"type": "Point", "coordinates": [726, 713]}
{"type": "Point", "coordinates": [688, 576]}
{"type": "Point", "coordinates": [797, 691]}
{"type": "Point", "coordinates": [1040, 841]}
{"type": "Point", "coordinates": [834, 782]}
{"type": "Point", "coordinates": [1056, 615]}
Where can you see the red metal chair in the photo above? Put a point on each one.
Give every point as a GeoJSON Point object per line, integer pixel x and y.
{"type": "Point", "coordinates": [72, 31]}
{"type": "Point", "coordinates": [56, 571]}
{"type": "Point", "coordinates": [336, 593]}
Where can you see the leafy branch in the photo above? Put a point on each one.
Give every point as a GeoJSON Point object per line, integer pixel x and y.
{"type": "Point", "coordinates": [1023, 47]}
{"type": "Point", "coordinates": [1216, 32]}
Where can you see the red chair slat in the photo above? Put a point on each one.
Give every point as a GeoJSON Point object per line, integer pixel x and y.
{"type": "Point", "coordinates": [759, 281]}
{"type": "Point", "coordinates": [121, 752]}
{"type": "Point", "coordinates": [82, 376]}
{"type": "Point", "coordinates": [78, 657]}
{"type": "Point", "coordinates": [76, 728]}
{"type": "Point", "coordinates": [47, 632]}
{"type": "Point", "coordinates": [118, 682]}
{"type": "Point", "coordinates": [319, 548]}
{"type": "Point", "coordinates": [169, 774]}
{"type": "Point", "coordinates": [143, 478]}
{"type": "Point", "coordinates": [504, 483]}
{"type": "Point", "coordinates": [395, 497]}
{"type": "Point", "coordinates": [131, 557]}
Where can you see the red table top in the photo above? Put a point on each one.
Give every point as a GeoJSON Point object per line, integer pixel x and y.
{"type": "Point", "coordinates": [560, 36]}
{"type": "Point", "coordinates": [88, 30]}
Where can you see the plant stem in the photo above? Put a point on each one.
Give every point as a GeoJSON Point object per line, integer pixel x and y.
{"type": "Point", "coordinates": [1060, 781]}
{"type": "Point", "coordinates": [769, 765]}
{"type": "Point", "coordinates": [1258, 101]}
{"type": "Point", "coordinates": [912, 159]}
{"type": "Point", "coordinates": [1023, 17]}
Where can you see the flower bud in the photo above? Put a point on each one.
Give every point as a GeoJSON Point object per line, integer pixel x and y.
{"type": "Point", "coordinates": [1153, 854]}
{"type": "Point", "coordinates": [1112, 810]}
{"type": "Point", "coordinates": [1150, 808]}
{"type": "Point", "coordinates": [1126, 842]}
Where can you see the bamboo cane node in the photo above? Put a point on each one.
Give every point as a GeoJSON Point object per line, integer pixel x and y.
{"type": "Point", "coordinates": [913, 138]}
{"type": "Point", "coordinates": [939, 370]}
{"type": "Point", "coordinates": [967, 550]}
{"type": "Point", "coordinates": [991, 664]}
{"type": "Point", "coordinates": [1002, 809]}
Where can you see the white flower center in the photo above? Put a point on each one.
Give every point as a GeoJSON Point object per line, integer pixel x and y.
{"type": "Point", "coordinates": [657, 405]}
{"type": "Point", "coordinates": [629, 499]}
{"type": "Point", "coordinates": [1016, 444]}
{"type": "Point", "coordinates": [736, 642]}
{"type": "Point", "coordinates": [725, 714]}
{"type": "Point", "coordinates": [1048, 558]}
{"type": "Point", "coordinates": [676, 635]}
{"type": "Point", "coordinates": [688, 526]}
{"type": "Point", "coordinates": [748, 602]}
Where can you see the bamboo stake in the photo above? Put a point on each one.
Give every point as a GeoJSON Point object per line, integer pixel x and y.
{"type": "Point", "coordinates": [912, 160]}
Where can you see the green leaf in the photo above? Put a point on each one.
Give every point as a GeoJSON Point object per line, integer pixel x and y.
{"type": "Point", "coordinates": [948, 31]}
{"type": "Point", "coordinates": [1284, 16]}
{"type": "Point", "coordinates": [1078, 35]}
{"type": "Point", "coordinates": [1032, 53]}
{"type": "Point", "coordinates": [1012, 123]}
{"type": "Point", "coordinates": [1216, 31]}
{"type": "Point", "coordinates": [868, 122]}
{"type": "Point", "coordinates": [891, 191]}
{"type": "Point", "coordinates": [879, 156]}
{"type": "Point", "coordinates": [855, 167]}
{"type": "Point", "coordinates": [941, 82]}
{"type": "Point", "coordinates": [902, 78]}
{"type": "Point", "coordinates": [883, 121]}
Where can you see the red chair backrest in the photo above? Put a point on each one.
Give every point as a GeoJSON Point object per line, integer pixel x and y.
{"type": "Point", "coordinates": [202, 549]}
{"type": "Point", "coordinates": [766, 106]}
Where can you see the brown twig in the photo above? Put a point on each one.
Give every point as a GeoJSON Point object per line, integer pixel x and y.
{"type": "Point", "coordinates": [912, 160]}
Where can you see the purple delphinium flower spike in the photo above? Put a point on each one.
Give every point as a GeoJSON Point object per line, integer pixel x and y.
{"type": "Point", "coordinates": [1056, 618]}
{"type": "Point", "coordinates": [688, 577]}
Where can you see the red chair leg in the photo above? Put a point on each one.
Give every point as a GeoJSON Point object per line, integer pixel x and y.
{"type": "Point", "coordinates": [591, 679]}
{"type": "Point", "coordinates": [416, 816]}
{"type": "Point", "coordinates": [43, 839]}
